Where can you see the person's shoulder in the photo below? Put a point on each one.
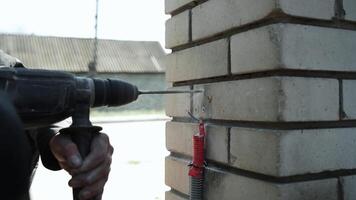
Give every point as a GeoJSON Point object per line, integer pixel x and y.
{"type": "Point", "coordinates": [7, 60]}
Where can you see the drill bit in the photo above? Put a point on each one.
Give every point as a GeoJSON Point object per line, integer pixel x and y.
{"type": "Point", "coordinates": [169, 91]}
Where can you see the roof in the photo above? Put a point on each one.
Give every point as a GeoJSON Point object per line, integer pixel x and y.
{"type": "Point", "coordinates": [74, 54]}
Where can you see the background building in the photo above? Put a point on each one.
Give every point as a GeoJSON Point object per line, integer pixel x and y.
{"type": "Point", "coordinates": [138, 62]}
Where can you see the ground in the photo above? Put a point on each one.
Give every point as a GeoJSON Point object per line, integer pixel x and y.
{"type": "Point", "coordinates": [137, 168]}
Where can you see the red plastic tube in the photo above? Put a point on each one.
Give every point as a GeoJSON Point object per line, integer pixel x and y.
{"type": "Point", "coordinates": [197, 168]}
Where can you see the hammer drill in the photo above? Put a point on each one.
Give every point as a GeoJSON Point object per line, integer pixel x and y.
{"type": "Point", "coordinates": [44, 97]}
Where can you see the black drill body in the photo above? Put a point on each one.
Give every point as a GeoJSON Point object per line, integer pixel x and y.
{"type": "Point", "coordinates": [43, 97]}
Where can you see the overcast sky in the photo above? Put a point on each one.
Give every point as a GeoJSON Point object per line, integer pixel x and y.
{"type": "Point", "coordinates": [118, 19]}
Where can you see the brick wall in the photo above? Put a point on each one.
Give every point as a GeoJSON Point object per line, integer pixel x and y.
{"type": "Point", "coordinates": [279, 97]}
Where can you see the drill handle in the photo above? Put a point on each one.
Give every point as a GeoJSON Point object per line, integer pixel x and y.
{"type": "Point", "coordinates": [82, 137]}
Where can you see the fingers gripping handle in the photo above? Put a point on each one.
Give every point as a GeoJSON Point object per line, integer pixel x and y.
{"type": "Point", "coordinates": [83, 140]}
{"type": "Point", "coordinates": [82, 137]}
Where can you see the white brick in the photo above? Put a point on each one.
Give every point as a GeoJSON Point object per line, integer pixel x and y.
{"type": "Point", "coordinates": [226, 186]}
{"type": "Point", "coordinates": [203, 61]}
{"type": "Point", "coordinates": [320, 9]}
{"type": "Point", "coordinates": [172, 5]}
{"type": "Point", "coordinates": [290, 46]}
{"type": "Point", "coordinates": [232, 187]}
{"type": "Point", "coordinates": [349, 187]}
{"type": "Point", "coordinates": [312, 190]}
{"type": "Point", "coordinates": [215, 16]}
{"type": "Point", "coordinates": [177, 30]}
{"type": "Point", "coordinates": [256, 150]}
{"type": "Point", "coordinates": [270, 99]}
{"type": "Point", "coordinates": [309, 99]}
{"type": "Point", "coordinates": [176, 174]}
{"type": "Point", "coordinates": [350, 9]}
{"type": "Point", "coordinates": [349, 98]}
{"type": "Point", "coordinates": [179, 139]}
{"type": "Point", "coordinates": [287, 153]}
{"type": "Point", "coordinates": [177, 105]}
{"type": "Point", "coordinates": [217, 143]}
{"type": "Point", "coordinates": [172, 196]}
{"type": "Point", "coordinates": [256, 50]}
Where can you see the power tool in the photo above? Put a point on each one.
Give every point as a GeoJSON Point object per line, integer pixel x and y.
{"type": "Point", "coordinates": [44, 97]}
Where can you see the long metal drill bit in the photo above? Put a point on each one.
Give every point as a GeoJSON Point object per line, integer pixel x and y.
{"type": "Point", "coordinates": [169, 91]}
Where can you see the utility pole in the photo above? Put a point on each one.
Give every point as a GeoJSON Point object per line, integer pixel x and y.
{"type": "Point", "coordinates": [93, 63]}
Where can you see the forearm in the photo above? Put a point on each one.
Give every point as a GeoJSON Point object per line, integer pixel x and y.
{"type": "Point", "coordinates": [14, 152]}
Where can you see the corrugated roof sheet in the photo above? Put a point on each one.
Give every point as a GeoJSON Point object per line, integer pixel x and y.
{"type": "Point", "coordinates": [74, 54]}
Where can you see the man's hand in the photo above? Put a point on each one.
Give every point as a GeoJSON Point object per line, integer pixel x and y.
{"type": "Point", "coordinates": [89, 174]}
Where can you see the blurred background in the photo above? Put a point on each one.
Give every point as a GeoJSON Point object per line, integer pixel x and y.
{"type": "Point", "coordinates": [125, 41]}
{"type": "Point", "coordinates": [137, 20]}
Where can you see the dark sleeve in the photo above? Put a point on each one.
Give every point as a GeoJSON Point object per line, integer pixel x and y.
{"type": "Point", "coordinates": [43, 137]}
{"type": "Point", "coordinates": [15, 156]}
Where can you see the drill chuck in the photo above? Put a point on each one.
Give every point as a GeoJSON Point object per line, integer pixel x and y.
{"type": "Point", "coordinates": [113, 92]}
